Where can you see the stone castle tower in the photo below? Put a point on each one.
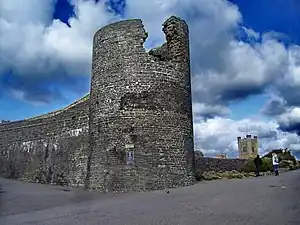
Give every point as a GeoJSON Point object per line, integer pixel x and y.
{"type": "Point", "coordinates": [247, 147]}
{"type": "Point", "coordinates": [140, 122]}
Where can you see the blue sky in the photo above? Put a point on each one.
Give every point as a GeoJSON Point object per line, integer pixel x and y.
{"type": "Point", "coordinates": [281, 16]}
{"type": "Point", "coordinates": [251, 44]}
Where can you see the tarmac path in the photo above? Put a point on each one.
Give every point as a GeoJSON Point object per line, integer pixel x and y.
{"type": "Point", "coordinates": [263, 200]}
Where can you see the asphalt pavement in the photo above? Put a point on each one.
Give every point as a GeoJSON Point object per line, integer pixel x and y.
{"type": "Point", "coordinates": [262, 200]}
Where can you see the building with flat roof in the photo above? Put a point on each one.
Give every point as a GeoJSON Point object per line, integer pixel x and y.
{"type": "Point", "coordinates": [221, 156]}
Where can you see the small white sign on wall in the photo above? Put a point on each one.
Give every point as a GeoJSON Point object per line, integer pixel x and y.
{"type": "Point", "coordinates": [130, 157]}
{"type": "Point", "coordinates": [129, 154]}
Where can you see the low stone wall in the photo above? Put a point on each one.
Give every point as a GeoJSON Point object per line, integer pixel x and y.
{"type": "Point", "coordinates": [51, 148]}
{"type": "Point", "coordinates": [204, 164]}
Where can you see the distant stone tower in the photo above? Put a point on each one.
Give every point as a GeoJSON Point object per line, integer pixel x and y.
{"type": "Point", "coordinates": [141, 130]}
{"type": "Point", "coordinates": [248, 147]}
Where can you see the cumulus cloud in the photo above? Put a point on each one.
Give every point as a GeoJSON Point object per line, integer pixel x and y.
{"type": "Point", "coordinates": [289, 85]}
{"type": "Point", "coordinates": [274, 106]}
{"type": "Point", "coordinates": [49, 45]}
{"type": "Point", "coordinates": [34, 49]}
{"type": "Point", "coordinates": [247, 70]}
{"type": "Point", "coordinates": [203, 111]}
{"type": "Point", "coordinates": [220, 135]}
{"type": "Point", "coordinates": [290, 120]}
{"type": "Point", "coordinates": [284, 102]}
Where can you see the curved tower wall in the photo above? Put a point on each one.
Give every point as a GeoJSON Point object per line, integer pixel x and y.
{"type": "Point", "coordinates": [140, 103]}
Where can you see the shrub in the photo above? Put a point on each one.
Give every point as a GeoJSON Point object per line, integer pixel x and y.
{"type": "Point", "coordinates": [266, 165]}
{"type": "Point", "coordinates": [232, 175]}
{"type": "Point", "coordinates": [288, 164]}
{"type": "Point", "coordinates": [284, 164]}
{"type": "Point", "coordinates": [249, 166]}
{"type": "Point", "coordinates": [298, 165]}
{"type": "Point", "coordinates": [289, 157]}
{"type": "Point", "coordinates": [211, 175]}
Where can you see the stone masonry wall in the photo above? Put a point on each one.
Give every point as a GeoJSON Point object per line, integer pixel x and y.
{"type": "Point", "coordinates": [47, 149]}
{"type": "Point", "coordinates": [204, 164]}
{"type": "Point", "coordinates": [142, 100]}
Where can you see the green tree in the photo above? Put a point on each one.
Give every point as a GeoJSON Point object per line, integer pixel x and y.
{"type": "Point", "coordinates": [266, 165]}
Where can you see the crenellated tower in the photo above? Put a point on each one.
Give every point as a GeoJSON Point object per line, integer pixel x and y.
{"type": "Point", "coordinates": [247, 147]}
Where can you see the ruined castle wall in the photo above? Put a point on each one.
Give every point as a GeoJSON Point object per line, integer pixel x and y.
{"type": "Point", "coordinates": [205, 164]}
{"type": "Point", "coordinates": [47, 149]}
{"type": "Point", "coordinates": [140, 103]}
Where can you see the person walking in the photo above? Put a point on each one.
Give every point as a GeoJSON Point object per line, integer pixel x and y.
{"type": "Point", "coordinates": [258, 163]}
{"type": "Point", "coordinates": [275, 162]}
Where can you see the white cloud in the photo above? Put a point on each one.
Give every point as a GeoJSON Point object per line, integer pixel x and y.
{"type": "Point", "coordinates": [271, 35]}
{"type": "Point", "coordinates": [153, 13]}
{"type": "Point", "coordinates": [251, 33]}
{"type": "Point", "coordinates": [292, 116]}
{"type": "Point", "coordinates": [288, 85]}
{"type": "Point", "coordinates": [246, 70]}
{"type": "Point", "coordinates": [293, 75]}
{"type": "Point", "coordinates": [21, 12]}
{"type": "Point", "coordinates": [220, 135]}
{"type": "Point", "coordinates": [32, 42]}
{"type": "Point", "coordinates": [202, 111]}
{"type": "Point", "coordinates": [290, 120]}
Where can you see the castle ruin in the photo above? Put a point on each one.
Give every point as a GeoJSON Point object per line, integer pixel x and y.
{"type": "Point", "coordinates": [133, 132]}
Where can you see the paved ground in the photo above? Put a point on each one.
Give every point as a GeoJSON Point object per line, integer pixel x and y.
{"type": "Point", "coordinates": [264, 200]}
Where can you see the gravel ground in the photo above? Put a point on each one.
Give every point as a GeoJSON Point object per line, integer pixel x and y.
{"type": "Point", "coordinates": [263, 200]}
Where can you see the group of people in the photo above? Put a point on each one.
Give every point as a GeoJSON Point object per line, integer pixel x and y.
{"type": "Point", "coordinates": [275, 162]}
